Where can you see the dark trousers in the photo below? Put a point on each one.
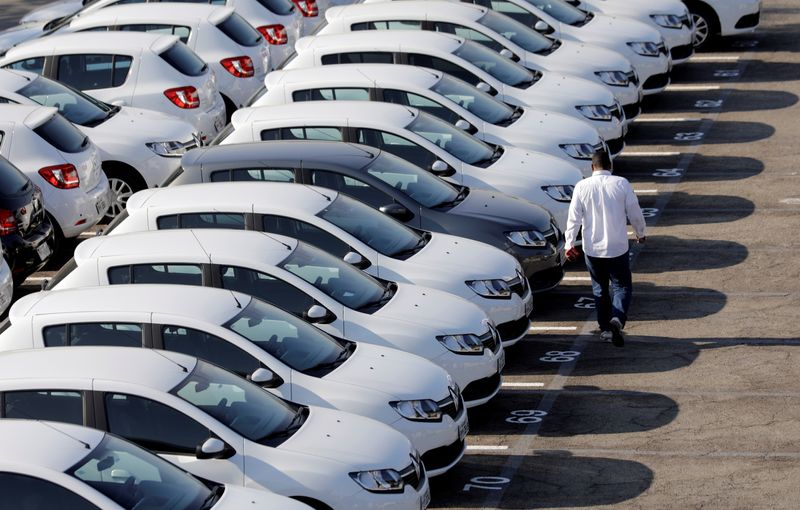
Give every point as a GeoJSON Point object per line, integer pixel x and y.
{"type": "Point", "coordinates": [612, 288]}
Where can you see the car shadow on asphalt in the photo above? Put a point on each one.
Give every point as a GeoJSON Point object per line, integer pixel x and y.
{"type": "Point", "coordinates": [543, 479]}
{"type": "Point", "coordinates": [729, 100]}
{"type": "Point", "coordinates": [702, 169]}
{"type": "Point", "coordinates": [694, 209]}
{"type": "Point", "coordinates": [681, 254]}
{"type": "Point", "coordinates": [690, 133]}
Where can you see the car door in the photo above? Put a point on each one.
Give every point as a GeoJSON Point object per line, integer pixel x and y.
{"type": "Point", "coordinates": [106, 76]}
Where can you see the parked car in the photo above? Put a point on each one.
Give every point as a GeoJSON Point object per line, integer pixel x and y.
{"type": "Point", "coordinates": [475, 64]}
{"type": "Point", "coordinates": [6, 284]}
{"type": "Point", "coordinates": [501, 34]}
{"type": "Point", "coordinates": [62, 162]}
{"type": "Point", "coordinates": [346, 228]}
{"type": "Point", "coordinates": [25, 230]}
{"type": "Point", "coordinates": [309, 283]}
{"type": "Point", "coordinates": [421, 139]}
{"type": "Point", "coordinates": [714, 18]}
{"type": "Point", "coordinates": [384, 181]}
{"type": "Point", "coordinates": [59, 465]}
{"type": "Point", "coordinates": [233, 49]}
{"type": "Point", "coordinates": [252, 339]}
{"type": "Point", "coordinates": [216, 425]}
{"type": "Point", "coordinates": [639, 43]}
{"type": "Point", "coordinates": [448, 98]}
{"type": "Point", "coordinates": [155, 72]}
{"type": "Point", "coordinates": [142, 158]}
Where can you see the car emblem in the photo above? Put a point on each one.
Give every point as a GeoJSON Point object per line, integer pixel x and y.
{"type": "Point", "coordinates": [454, 396]}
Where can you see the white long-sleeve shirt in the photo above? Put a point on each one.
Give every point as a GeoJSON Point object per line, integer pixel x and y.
{"type": "Point", "coordinates": [602, 204]}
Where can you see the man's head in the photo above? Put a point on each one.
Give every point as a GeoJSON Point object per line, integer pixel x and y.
{"type": "Point", "coordinates": [601, 161]}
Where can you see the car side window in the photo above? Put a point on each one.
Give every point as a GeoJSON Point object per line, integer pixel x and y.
{"type": "Point", "coordinates": [30, 493]}
{"type": "Point", "coordinates": [181, 274]}
{"type": "Point", "coordinates": [201, 220]}
{"type": "Point", "coordinates": [182, 32]}
{"type": "Point", "coordinates": [89, 72]}
{"type": "Point", "coordinates": [396, 145]}
{"type": "Point", "coordinates": [467, 33]}
{"type": "Point", "coordinates": [423, 103]}
{"type": "Point", "coordinates": [116, 334]}
{"type": "Point", "coordinates": [267, 288]}
{"type": "Point", "coordinates": [153, 425]}
{"type": "Point", "coordinates": [305, 232]}
{"type": "Point", "coordinates": [339, 94]}
{"type": "Point", "coordinates": [51, 405]}
{"type": "Point", "coordinates": [353, 187]}
{"type": "Point", "coordinates": [387, 25]}
{"type": "Point", "coordinates": [445, 66]}
{"type": "Point", "coordinates": [33, 65]}
{"type": "Point", "coordinates": [208, 347]}
{"type": "Point", "coordinates": [359, 57]}
{"type": "Point", "coordinates": [254, 174]}
{"type": "Point", "coordinates": [312, 133]}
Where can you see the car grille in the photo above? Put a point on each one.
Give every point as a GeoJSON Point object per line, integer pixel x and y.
{"type": "Point", "coordinates": [749, 21]}
{"type": "Point", "coordinates": [616, 145]}
{"type": "Point", "coordinates": [453, 404]}
{"type": "Point", "coordinates": [662, 48]}
{"type": "Point", "coordinates": [633, 77]}
{"type": "Point", "coordinates": [657, 81]}
{"type": "Point", "coordinates": [682, 52]}
{"type": "Point", "coordinates": [513, 329]}
{"type": "Point", "coordinates": [632, 110]}
{"type": "Point", "coordinates": [551, 236]}
{"type": "Point", "coordinates": [443, 456]}
{"type": "Point", "coordinates": [490, 339]}
{"type": "Point", "coordinates": [518, 284]}
{"type": "Point", "coordinates": [414, 474]}
{"type": "Point", "coordinates": [481, 388]}
{"type": "Point", "coordinates": [616, 111]}
{"type": "Point", "coordinates": [686, 20]}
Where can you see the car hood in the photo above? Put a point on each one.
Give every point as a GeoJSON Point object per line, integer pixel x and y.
{"type": "Point", "coordinates": [436, 310]}
{"type": "Point", "coordinates": [554, 128]}
{"type": "Point", "coordinates": [571, 90]}
{"type": "Point", "coordinates": [13, 36]}
{"type": "Point", "coordinates": [147, 126]}
{"type": "Point", "coordinates": [605, 28]}
{"type": "Point", "coordinates": [238, 498]}
{"type": "Point", "coordinates": [382, 368]}
{"type": "Point", "coordinates": [504, 209]}
{"type": "Point", "coordinates": [357, 442]}
{"type": "Point", "coordinates": [547, 169]}
{"type": "Point", "coordinates": [457, 259]}
{"type": "Point", "coordinates": [577, 55]}
{"type": "Point", "coordinates": [51, 11]}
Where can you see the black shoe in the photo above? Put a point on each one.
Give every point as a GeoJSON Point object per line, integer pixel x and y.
{"type": "Point", "coordinates": [616, 332]}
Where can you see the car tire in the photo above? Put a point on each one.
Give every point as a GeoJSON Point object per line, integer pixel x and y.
{"type": "Point", "coordinates": [123, 184]}
{"type": "Point", "coordinates": [230, 108]}
{"type": "Point", "coordinates": [706, 25]}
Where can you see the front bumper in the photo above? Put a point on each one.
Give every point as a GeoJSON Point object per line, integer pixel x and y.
{"type": "Point", "coordinates": [477, 376]}
{"type": "Point", "coordinates": [647, 68]}
{"type": "Point", "coordinates": [739, 17]}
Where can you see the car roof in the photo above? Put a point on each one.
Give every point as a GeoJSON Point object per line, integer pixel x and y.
{"type": "Point", "coordinates": [32, 115]}
{"type": "Point", "coordinates": [158, 370]}
{"type": "Point", "coordinates": [12, 80]}
{"type": "Point", "coordinates": [104, 42]}
{"type": "Point", "coordinates": [49, 445]}
{"type": "Point", "coordinates": [386, 40]}
{"type": "Point", "coordinates": [322, 113]}
{"type": "Point", "coordinates": [209, 304]}
{"type": "Point", "coordinates": [364, 75]}
{"type": "Point", "coordinates": [234, 197]}
{"type": "Point", "coordinates": [407, 10]}
{"type": "Point", "coordinates": [198, 246]}
{"type": "Point", "coordinates": [152, 13]}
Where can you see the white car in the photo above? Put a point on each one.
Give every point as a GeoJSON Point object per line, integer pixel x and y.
{"type": "Point", "coordinates": [6, 285]}
{"type": "Point", "coordinates": [445, 97]}
{"type": "Point", "coordinates": [61, 161]}
{"type": "Point", "coordinates": [143, 158]}
{"type": "Point", "coordinates": [723, 18]}
{"type": "Point", "coordinates": [155, 72]}
{"type": "Point", "coordinates": [60, 465]}
{"type": "Point", "coordinates": [475, 64]}
{"type": "Point", "coordinates": [360, 235]}
{"type": "Point", "coordinates": [306, 281]}
{"type": "Point", "coordinates": [499, 33]}
{"type": "Point", "coordinates": [638, 42]}
{"type": "Point", "coordinates": [235, 51]}
{"type": "Point", "coordinates": [270, 347]}
{"type": "Point", "coordinates": [670, 17]}
{"type": "Point", "coordinates": [422, 139]}
{"type": "Point", "coordinates": [216, 425]}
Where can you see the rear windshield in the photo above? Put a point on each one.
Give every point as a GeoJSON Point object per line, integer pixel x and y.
{"type": "Point", "coordinates": [184, 60]}
{"type": "Point", "coordinates": [62, 135]}
{"type": "Point", "coordinates": [282, 7]}
{"type": "Point", "coordinates": [240, 31]}
{"type": "Point", "coordinates": [11, 179]}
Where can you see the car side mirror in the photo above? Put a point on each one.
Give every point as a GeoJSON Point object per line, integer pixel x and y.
{"type": "Point", "coordinates": [442, 169]}
{"type": "Point", "coordinates": [356, 260]}
{"type": "Point", "coordinates": [319, 315]}
{"type": "Point", "coordinates": [541, 26]}
{"type": "Point", "coordinates": [214, 448]}
{"type": "Point", "coordinates": [463, 125]}
{"type": "Point", "coordinates": [265, 378]}
{"type": "Point", "coordinates": [506, 53]}
{"type": "Point", "coordinates": [483, 86]}
{"type": "Point", "coordinates": [398, 212]}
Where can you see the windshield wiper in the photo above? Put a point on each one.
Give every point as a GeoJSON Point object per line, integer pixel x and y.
{"type": "Point", "coordinates": [452, 203]}
{"type": "Point", "coordinates": [423, 240]}
{"type": "Point", "coordinates": [515, 115]}
{"type": "Point", "coordinates": [294, 426]}
{"type": "Point", "coordinates": [496, 153]}
{"type": "Point", "coordinates": [212, 497]}
{"type": "Point", "coordinates": [338, 360]}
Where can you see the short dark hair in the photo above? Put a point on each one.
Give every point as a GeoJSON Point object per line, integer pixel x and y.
{"type": "Point", "coordinates": [601, 161]}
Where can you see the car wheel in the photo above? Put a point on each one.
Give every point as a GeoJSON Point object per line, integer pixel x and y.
{"type": "Point", "coordinates": [122, 186]}
{"type": "Point", "coordinates": [705, 24]}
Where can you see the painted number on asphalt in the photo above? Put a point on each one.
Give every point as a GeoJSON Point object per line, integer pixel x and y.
{"type": "Point", "coordinates": [689, 137]}
{"type": "Point", "coordinates": [726, 73]}
{"type": "Point", "coordinates": [526, 416]}
{"type": "Point", "coordinates": [486, 483]}
{"type": "Point", "coordinates": [708, 103]}
{"type": "Point", "coordinates": [585, 302]}
{"type": "Point", "coordinates": [559, 356]}
{"type": "Point", "coordinates": [745, 44]}
{"type": "Point", "coordinates": [668, 172]}
{"type": "Point", "coordinates": [649, 212]}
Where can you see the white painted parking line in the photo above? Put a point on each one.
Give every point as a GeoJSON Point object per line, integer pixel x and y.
{"type": "Point", "coordinates": [692, 88]}
{"type": "Point", "coordinates": [553, 328]}
{"type": "Point", "coordinates": [577, 278]}
{"type": "Point", "coordinates": [522, 385]}
{"type": "Point", "coordinates": [484, 447]}
{"type": "Point", "coordinates": [714, 58]}
{"type": "Point", "coordinates": [655, 154]}
{"type": "Point", "coordinates": [644, 191]}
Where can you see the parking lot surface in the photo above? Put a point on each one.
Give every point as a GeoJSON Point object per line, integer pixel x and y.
{"type": "Point", "coordinates": [700, 408]}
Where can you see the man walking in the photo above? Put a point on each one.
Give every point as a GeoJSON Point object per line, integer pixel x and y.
{"type": "Point", "coordinates": [602, 205]}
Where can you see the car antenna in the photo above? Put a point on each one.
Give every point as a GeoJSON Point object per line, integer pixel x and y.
{"type": "Point", "coordinates": [238, 304]}
{"type": "Point", "coordinates": [318, 192]}
{"type": "Point", "coordinates": [355, 146]}
{"type": "Point", "coordinates": [50, 426]}
{"type": "Point", "coordinates": [201, 245]}
{"type": "Point", "coordinates": [169, 359]}
{"type": "Point", "coordinates": [288, 247]}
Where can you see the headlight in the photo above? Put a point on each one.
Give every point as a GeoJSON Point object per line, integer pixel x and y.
{"type": "Point", "coordinates": [527, 238]}
{"type": "Point", "coordinates": [595, 111]}
{"type": "Point", "coordinates": [379, 480]}
{"type": "Point", "coordinates": [462, 344]}
{"type": "Point", "coordinates": [168, 149]}
{"type": "Point", "coordinates": [418, 410]}
{"type": "Point", "coordinates": [560, 193]}
{"type": "Point", "coordinates": [490, 288]}
{"type": "Point", "coordinates": [646, 49]}
{"type": "Point", "coordinates": [578, 150]}
{"type": "Point", "coordinates": [613, 78]}
{"type": "Point", "coordinates": [667, 20]}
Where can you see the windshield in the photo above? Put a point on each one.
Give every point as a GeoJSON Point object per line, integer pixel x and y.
{"type": "Point", "coordinates": [298, 344]}
{"type": "Point", "coordinates": [456, 142]}
{"type": "Point", "coordinates": [516, 32]}
{"type": "Point", "coordinates": [136, 478]}
{"type": "Point", "coordinates": [12, 180]}
{"type": "Point", "coordinates": [337, 279]}
{"type": "Point", "coordinates": [496, 65]}
{"type": "Point", "coordinates": [478, 103]}
{"type": "Point", "coordinates": [241, 405]}
{"type": "Point", "coordinates": [377, 230]}
{"type": "Point", "coordinates": [423, 187]}
{"type": "Point", "coordinates": [561, 11]}
{"type": "Point", "coordinates": [75, 106]}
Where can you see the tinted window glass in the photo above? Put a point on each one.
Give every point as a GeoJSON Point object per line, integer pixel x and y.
{"type": "Point", "coordinates": [423, 103]}
{"type": "Point", "coordinates": [340, 94]}
{"type": "Point", "coordinates": [55, 336]}
{"type": "Point", "coordinates": [361, 57]}
{"type": "Point", "coordinates": [271, 134]}
{"type": "Point", "coordinates": [411, 180]}
{"type": "Point", "coordinates": [266, 288]}
{"type": "Point", "coordinates": [514, 11]}
{"type": "Point", "coordinates": [62, 406]}
{"type": "Point", "coordinates": [478, 103]}
{"type": "Point", "coordinates": [387, 25]}
{"type": "Point", "coordinates": [113, 334]}
{"type": "Point", "coordinates": [166, 222]}
{"type": "Point", "coordinates": [62, 135]}
{"type": "Point", "coordinates": [153, 425]}
{"type": "Point", "coordinates": [182, 32]}
{"type": "Point", "coordinates": [352, 187]}
{"type": "Point", "coordinates": [184, 60]}
{"type": "Point", "coordinates": [183, 274]}
{"type": "Point", "coordinates": [561, 11]}
{"type": "Point", "coordinates": [28, 493]}
{"type": "Point", "coordinates": [208, 347]}
{"type": "Point", "coordinates": [12, 180]}
{"type": "Point", "coordinates": [397, 145]}
{"type": "Point", "coordinates": [516, 32]}
{"type": "Point", "coordinates": [75, 106]}
{"type": "Point", "coordinates": [496, 65]}
{"type": "Point", "coordinates": [259, 174]}
{"type": "Point", "coordinates": [33, 65]}
{"type": "Point", "coordinates": [312, 133]}
{"type": "Point", "coordinates": [88, 72]}
{"type": "Point", "coordinates": [281, 7]}
{"type": "Point", "coordinates": [205, 220]}
{"type": "Point", "coordinates": [467, 33]}
{"type": "Point", "coordinates": [240, 31]}
{"type": "Point", "coordinates": [453, 140]}
{"type": "Point", "coordinates": [445, 66]}
{"type": "Point", "coordinates": [305, 232]}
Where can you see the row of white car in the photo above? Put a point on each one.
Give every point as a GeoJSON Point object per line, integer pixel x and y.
{"type": "Point", "coordinates": [282, 335]}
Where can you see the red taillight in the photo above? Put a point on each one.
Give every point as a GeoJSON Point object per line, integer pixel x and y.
{"type": "Point", "coordinates": [308, 8]}
{"type": "Point", "coordinates": [61, 176]}
{"type": "Point", "coordinates": [241, 67]}
{"type": "Point", "coordinates": [184, 97]}
{"type": "Point", "coordinates": [8, 222]}
{"type": "Point", "coordinates": [274, 34]}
